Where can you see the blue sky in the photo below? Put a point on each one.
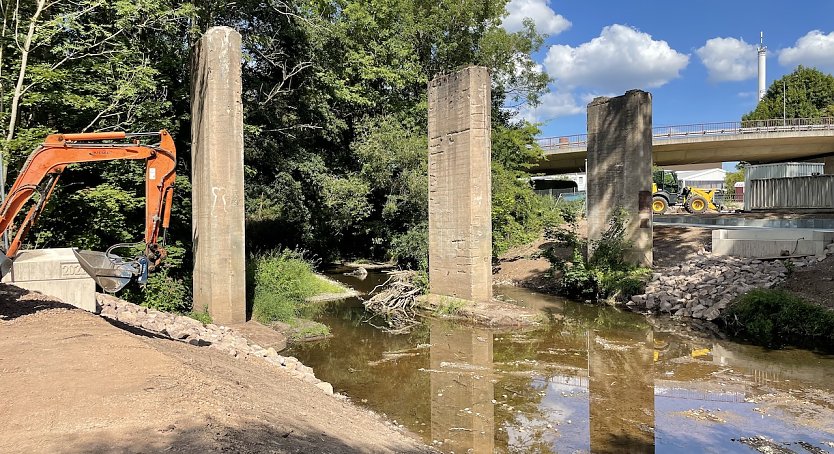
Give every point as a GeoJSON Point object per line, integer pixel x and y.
{"type": "Point", "coordinates": [698, 59]}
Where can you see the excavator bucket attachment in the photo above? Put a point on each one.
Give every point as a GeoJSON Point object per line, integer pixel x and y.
{"type": "Point", "coordinates": [110, 272]}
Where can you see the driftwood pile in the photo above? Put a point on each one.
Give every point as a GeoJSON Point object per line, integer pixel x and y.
{"type": "Point", "coordinates": [395, 301]}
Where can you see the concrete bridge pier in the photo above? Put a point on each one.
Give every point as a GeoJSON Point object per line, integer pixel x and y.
{"type": "Point", "coordinates": [828, 168]}
{"type": "Point", "coordinates": [620, 170]}
{"type": "Point", "coordinates": [217, 176]}
{"type": "Point", "coordinates": [460, 185]}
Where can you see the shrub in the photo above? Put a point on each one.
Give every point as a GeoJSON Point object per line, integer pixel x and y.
{"type": "Point", "coordinates": [605, 274]}
{"type": "Point", "coordinates": [411, 249]}
{"type": "Point", "coordinates": [775, 318]}
{"type": "Point", "coordinates": [162, 292]}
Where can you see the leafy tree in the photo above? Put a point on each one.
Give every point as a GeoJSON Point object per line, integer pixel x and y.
{"type": "Point", "coordinates": [808, 93]}
{"type": "Point", "coordinates": [335, 114]}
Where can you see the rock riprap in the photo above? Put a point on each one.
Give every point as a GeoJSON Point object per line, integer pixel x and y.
{"type": "Point", "coordinates": [186, 329]}
{"type": "Point", "coordinates": [705, 285]}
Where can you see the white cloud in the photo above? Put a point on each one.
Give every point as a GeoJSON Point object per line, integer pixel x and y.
{"type": "Point", "coordinates": [621, 58]}
{"type": "Point", "coordinates": [546, 20]}
{"type": "Point", "coordinates": [729, 59]}
{"type": "Point", "coordinates": [814, 49]}
{"type": "Point", "coordinates": [553, 104]}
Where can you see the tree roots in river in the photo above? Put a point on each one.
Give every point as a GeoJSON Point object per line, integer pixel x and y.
{"type": "Point", "coordinates": [395, 301]}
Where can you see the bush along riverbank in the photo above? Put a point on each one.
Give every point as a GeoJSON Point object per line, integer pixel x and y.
{"type": "Point", "coordinates": [282, 284]}
{"type": "Point", "coordinates": [777, 317]}
{"type": "Point", "coordinates": [604, 275]}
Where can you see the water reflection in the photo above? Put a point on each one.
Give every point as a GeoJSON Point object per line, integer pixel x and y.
{"type": "Point", "coordinates": [621, 386]}
{"type": "Point", "coordinates": [596, 380]}
{"type": "Point", "coordinates": [462, 390]}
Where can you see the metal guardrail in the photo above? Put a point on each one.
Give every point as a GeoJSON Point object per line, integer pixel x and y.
{"type": "Point", "coordinates": [728, 128]}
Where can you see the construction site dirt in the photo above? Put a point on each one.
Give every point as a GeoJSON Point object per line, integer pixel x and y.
{"type": "Point", "coordinates": [72, 382]}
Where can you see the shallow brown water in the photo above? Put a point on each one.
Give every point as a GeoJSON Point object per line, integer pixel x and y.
{"type": "Point", "coordinates": [594, 380]}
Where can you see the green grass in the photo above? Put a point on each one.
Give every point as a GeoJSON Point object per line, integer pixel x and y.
{"type": "Point", "coordinates": [325, 286]}
{"type": "Point", "coordinates": [449, 306]}
{"type": "Point", "coordinates": [775, 318]}
{"type": "Point", "coordinates": [201, 316]}
{"type": "Point", "coordinates": [282, 281]}
{"type": "Point", "coordinates": [305, 329]}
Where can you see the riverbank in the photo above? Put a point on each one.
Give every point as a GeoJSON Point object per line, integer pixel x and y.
{"type": "Point", "coordinates": [687, 280]}
{"type": "Point", "coordinates": [75, 382]}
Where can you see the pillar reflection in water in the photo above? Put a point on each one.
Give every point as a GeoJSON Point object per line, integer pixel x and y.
{"type": "Point", "coordinates": [621, 385]}
{"type": "Point", "coordinates": [462, 414]}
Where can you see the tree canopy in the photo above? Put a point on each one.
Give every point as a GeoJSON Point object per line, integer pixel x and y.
{"type": "Point", "coordinates": [804, 93]}
{"type": "Point", "coordinates": [335, 113]}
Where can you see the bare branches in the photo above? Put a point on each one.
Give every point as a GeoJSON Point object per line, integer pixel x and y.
{"type": "Point", "coordinates": [24, 59]}
{"type": "Point", "coordinates": [283, 85]}
{"type": "Point", "coordinates": [396, 301]}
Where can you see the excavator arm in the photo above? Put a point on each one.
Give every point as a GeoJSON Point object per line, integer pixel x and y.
{"type": "Point", "coordinates": [43, 168]}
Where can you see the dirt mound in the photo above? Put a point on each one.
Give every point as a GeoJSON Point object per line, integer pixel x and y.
{"type": "Point", "coordinates": [72, 382]}
{"type": "Point", "coordinates": [814, 282]}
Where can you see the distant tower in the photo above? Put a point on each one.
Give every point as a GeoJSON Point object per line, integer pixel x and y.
{"type": "Point", "coordinates": [762, 66]}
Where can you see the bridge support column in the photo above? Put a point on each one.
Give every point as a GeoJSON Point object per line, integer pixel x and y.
{"type": "Point", "coordinates": [460, 185]}
{"type": "Point", "coordinates": [828, 168]}
{"type": "Point", "coordinates": [217, 176]}
{"type": "Point", "coordinates": [620, 170]}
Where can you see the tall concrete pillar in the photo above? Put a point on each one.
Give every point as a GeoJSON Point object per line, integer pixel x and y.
{"type": "Point", "coordinates": [460, 184]}
{"type": "Point", "coordinates": [620, 169]}
{"type": "Point", "coordinates": [217, 176]}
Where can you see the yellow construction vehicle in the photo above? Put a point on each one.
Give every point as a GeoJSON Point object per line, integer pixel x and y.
{"type": "Point", "coordinates": [666, 192]}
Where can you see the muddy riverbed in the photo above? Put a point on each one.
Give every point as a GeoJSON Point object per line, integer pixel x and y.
{"type": "Point", "coordinates": [594, 380]}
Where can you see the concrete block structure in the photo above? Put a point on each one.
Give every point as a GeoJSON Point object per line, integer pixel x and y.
{"type": "Point", "coordinates": [620, 169]}
{"type": "Point", "coordinates": [771, 243]}
{"type": "Point", "coordinates": [460, 184]}
{"type": "Point", "coordinates": [217, 176]}
{"type": "Point", "coordinates": [54, 272]}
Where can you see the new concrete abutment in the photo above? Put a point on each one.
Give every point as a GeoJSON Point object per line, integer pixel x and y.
{"type": "Point", "coordinates": [460, 185]}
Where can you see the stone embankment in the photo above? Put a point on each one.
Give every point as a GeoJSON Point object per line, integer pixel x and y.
{"type": "Point", "coordinates": [186, 329]}
{"type": "Point", "coordinates": [704, 286]}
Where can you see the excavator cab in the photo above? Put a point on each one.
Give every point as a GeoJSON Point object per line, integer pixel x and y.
{"type": "Point", "coordinates": [40, 175]}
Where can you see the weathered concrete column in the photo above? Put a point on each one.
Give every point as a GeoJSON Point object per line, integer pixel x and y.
{"type": "Point", "coordinates": [620, 169]}
{"type": "Point", "coordinates": [460, 184]}
{"type": "Point", "coordinates": [217, 176]}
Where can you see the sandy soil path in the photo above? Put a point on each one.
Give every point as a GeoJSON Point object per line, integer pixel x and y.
{"type": "Point", "coordinates": [72, 382]}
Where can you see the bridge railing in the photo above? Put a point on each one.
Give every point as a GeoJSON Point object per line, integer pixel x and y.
{"type": "Point", "coordinates": [704, 129]}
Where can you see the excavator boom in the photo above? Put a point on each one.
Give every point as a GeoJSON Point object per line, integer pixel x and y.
{"type": "Point", "coordinates": [43, 168]}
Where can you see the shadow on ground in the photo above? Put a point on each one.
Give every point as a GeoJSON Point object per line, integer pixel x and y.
{"type": "Point", "coordinates": [16, 302]}
{"type": "Point", "coordinates": [214, 437]}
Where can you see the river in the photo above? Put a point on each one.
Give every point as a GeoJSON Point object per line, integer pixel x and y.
{"type": "Point", "coordinates": [594, 380]}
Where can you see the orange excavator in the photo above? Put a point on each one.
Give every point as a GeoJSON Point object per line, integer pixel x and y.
{"type": "Point", "coordinates": [40, 175]}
